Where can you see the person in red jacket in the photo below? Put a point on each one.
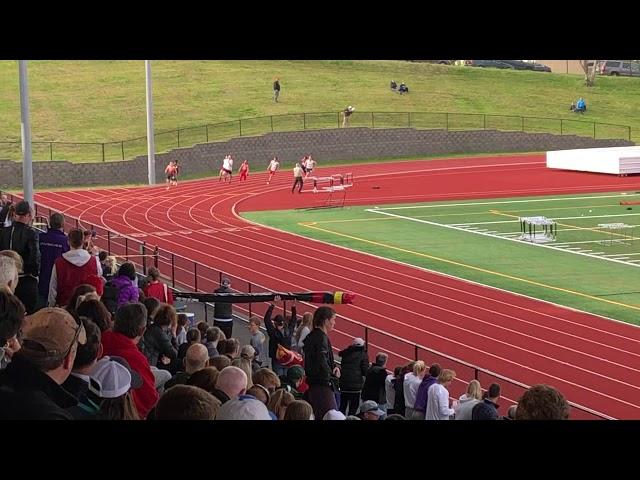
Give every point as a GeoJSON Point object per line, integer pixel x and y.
{"type": "Point", "coordinates": [73, 268]}
{"type": "Point", "coordinates": [156, 289]}
{"type": "Point", "coordinates": [128, 329]}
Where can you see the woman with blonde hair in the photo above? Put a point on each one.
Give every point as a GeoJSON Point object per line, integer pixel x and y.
{"type": "Point", "coordinates": [278, 403]}
{"type": "Point", "coordinates": [438, 397]}
{"type": "Point", "coordinates": [267, 378]}
{"type": "Point", "coordinates": [468, 401]}
{"type": "Point", "coordinates": [16, 258]}
{"type": "Point", "coordinates": [112, 263]}
{"type": "Point", "coordinates": [299, 410]}
{"type": "Point", "coordinates": [412, 381]}
{"type": "Point", "coordinates": [245, 365]}
{"type": "Point", "coordinates": [302, 331]}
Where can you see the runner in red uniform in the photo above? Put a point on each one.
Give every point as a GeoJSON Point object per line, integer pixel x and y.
{"type": "Point", "coordinates": [244, 170]}
{"type": "Point", "coordinates": [171, 171]}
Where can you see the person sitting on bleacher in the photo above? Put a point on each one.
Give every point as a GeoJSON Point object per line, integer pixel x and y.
{"type": "Point", "coordinates": [393, 85]}
{"type": "Point", "coordinates": [156, 289]}
{"type": "Point", "coordinates": [403, 88]}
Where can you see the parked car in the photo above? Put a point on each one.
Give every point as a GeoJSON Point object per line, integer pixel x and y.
{"type": "Point", "coordinates": [440, 62]}
{"type": "Point", "coordinates": [539, 67]}
{"type": "Point", "coordinates": [519, 64]}
{"type": "Point", "coordinates": [619, 67]}
{"type": "Point", "coordinates": [487, 64]}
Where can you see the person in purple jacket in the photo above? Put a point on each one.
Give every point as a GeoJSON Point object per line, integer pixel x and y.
{"type": "Point", "coordinates": [420, 407]}
{"type": "Point", "coordinates": [124, 282]}
{"type": "Point", "coordinates": [52, 245]}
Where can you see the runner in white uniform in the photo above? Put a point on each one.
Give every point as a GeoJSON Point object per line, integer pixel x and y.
{"type": "Point", "coordinates": [273, 168]}
{"type": "Point", "coordinates": [227, 168]}
{"type": "Point", "coordinates": [309, 165]}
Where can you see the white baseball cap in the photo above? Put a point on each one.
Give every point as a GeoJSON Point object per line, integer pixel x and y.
{"type": "Point", "coordinates": [246, 408]}
{"type": "Point", "coordinates": [334, 415]}
{"type": "Point", "coordinates": [113, 377]}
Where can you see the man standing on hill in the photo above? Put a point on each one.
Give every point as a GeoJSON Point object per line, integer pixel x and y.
{"type": "Point", "coordinates": [276, 89]}
{"type": "Point", "coordinates": [347, 112]}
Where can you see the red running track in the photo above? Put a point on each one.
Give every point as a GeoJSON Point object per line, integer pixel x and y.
{"type": "Point", "coordinates": [591, 359]}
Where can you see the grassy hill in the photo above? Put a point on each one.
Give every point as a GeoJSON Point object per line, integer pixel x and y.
{"type": "Point", "coordinates": [101, 101]}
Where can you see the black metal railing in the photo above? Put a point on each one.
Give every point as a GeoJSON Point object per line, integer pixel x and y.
{"type": "Point", "coordinates": [190, 136]}
{"type": "Point", "coordinates": [190, 275]}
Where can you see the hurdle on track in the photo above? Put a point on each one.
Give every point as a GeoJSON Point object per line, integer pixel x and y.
{"type": "Point", "coordinates": [335, 186]}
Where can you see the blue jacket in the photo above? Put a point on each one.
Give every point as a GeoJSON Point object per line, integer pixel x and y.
{"type": "Point", "coordinates": [52, 245]}
{"type": "Point", "coordinates": [485, 410]}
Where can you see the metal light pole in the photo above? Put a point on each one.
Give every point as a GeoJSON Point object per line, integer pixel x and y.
{"type": "Point", "coordinates": [25, 132]}
{"type": "Point", "coordinates": [150, 140]}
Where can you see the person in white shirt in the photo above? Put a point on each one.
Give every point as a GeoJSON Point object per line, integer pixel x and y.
{"type": "Point", "coordinates": [273, 168]}
{"type": "Point", "coordinates": [412, 382]}
{"type": "Point", "coordinates": [302, 331]}
{"type": "Point", "coordinates": [257, 340]}
{"type": "Point", "coordinates": [438, 399]}
{"type": "Point", "coordinates": [227, 168]}
{"type": "Point", "coordinates": [469, 400]}
{"type": "Point", "coordinates": [309, 165]}
{"type": "Point", "coordinates": [390, 391]}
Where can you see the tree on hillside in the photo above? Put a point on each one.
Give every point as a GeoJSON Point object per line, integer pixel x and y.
{"type": "Point", "coordinates": [589, 68]}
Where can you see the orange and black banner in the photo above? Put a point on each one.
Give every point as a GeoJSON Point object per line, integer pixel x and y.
{"type": "Point", "coordinates": [313, 297]}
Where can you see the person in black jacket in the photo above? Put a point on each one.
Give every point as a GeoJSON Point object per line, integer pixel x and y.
{"type": "Point", "coordinates": [319, 366]}
{"type": "Point", "coordinates": [160, 344]}
{"type": "Point", "coordinates": [399, 406]}
{"type": "Point", "coordinates": [5, 205]}
{"type": "Point", "coordinates": [223, 311]}
{"type": "Point", "coordinates": [23, 239]}
{"type": "Point", "coordinates": [353, 368]}
{"type": "Point", "coordinates": [30, 386]}
{"type": "Point", "coordinates": [280, 333]}
{"type": "Point", "coordinates": [488, 408]}
{"type": "Point", "coordinates": [374, 388]}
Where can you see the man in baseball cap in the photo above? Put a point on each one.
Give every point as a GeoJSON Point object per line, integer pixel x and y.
{"type": "Point", "coordinates": [369, 410]}
{"type": "Point", "coordinates": [30, 385]}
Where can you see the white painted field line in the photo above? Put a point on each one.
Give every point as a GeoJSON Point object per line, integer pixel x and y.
{"type": "Point", "coordinates": [551, 247]}
{"type": "Point", "coordinates": [535, 200]}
